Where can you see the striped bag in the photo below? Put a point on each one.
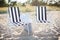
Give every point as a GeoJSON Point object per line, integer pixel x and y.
{"type": "Point", "coordinates": [41, 14]}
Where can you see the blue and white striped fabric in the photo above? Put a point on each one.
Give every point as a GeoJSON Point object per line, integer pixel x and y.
{"type": "Point", "coordinates": [14, 15]}
{"type": "Point", "coordinates": [41, 14]}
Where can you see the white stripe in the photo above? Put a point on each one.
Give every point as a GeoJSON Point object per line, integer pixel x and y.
{"type": "Point", "coordinates": [40, 13]}
{"type": "Point", "coordinates": [17, 14]}
{"type": "Point", "coordinates": [44, 13]}
{"type": "Point", "coordinates": [14, 14]}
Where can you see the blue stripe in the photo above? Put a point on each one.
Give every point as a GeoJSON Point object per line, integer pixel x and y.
{"type": "Point", "coordinates": [42, 12]}
{"type": "Point", "coordinates": [45, 14]}
{"type": "Point", "coordinates": [39, 13]}
{"type": "Point", "coordinates": [19, 13]}
{"type": "Point", "coordinates": [12, 15]}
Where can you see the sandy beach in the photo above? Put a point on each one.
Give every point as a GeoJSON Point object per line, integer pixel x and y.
{"type": "Point", "coordinates": [40, 31]}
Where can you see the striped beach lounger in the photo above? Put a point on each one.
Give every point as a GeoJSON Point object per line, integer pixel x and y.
{"type": "Point", "coordinates": [41, 14]}
{"type": "Point", "coordinates": [14, 15]}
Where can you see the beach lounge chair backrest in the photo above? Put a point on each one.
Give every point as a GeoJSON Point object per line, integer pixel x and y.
{"type": "Point", "coordinates": [41, 14]}
{"type": "Point", "coordinates": [14, 14]}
